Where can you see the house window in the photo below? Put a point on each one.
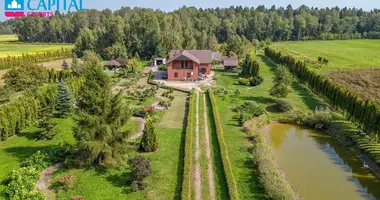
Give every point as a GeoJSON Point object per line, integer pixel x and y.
{"type": "Point", "coordinates": [176, 75]}
{"type": "Point", "coordinates": [189, 75]}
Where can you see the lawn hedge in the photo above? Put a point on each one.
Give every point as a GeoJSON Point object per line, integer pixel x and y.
{"type": "Point", "coordinates": [231, 184]}
{"type": "Point", "coordinates": [15, 61]}
{"type": "Point", "coordinates": [190, 128]}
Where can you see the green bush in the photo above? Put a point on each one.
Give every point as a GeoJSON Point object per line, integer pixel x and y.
{"type": "Point", "coordinates": [163, 67]}
{"type": "Point", "coordinates": [231, 184]}
{"type": "Point", "coordinates": [187, 171]}
{"type": "Point", "coordinates": [21, 184]}
{"type": "Point", "coordinates": [284, 105]}
{"type": "Point", "coordinates": [250, 108]}
{"type": "Point", "coordinates": [270, 175]}
{"type": "Point", "coordinates": [255, 81]}
{"type": "Point", "coordinates": [243, 81]}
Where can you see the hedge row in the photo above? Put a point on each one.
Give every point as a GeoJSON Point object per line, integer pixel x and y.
{"type": "Point", "coordinates": [152, 82]}
{"type": "Point", "coordinates": [190, 128]}
{"type": "Point", "coordinates": [365, 113]}
{"type": "Point", "coordinates": [231, 184]}
{"type": "Point", "coordinates": [15, 61]}
{"type": "Point", "coordinates": [23, 112]}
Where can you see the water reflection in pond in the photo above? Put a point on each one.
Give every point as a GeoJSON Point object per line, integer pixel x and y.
{"type": "Point", "coordinates": [319, 167]}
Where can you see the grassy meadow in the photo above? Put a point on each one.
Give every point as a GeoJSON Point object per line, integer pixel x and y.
{"type": "Point", "coordinates": [18, 49]}
{"type": "Point", "coordinates": [342, 54]}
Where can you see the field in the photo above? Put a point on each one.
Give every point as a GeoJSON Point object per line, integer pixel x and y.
{"type": "Point", "coordinates": [352, 63]}
{"type": "Point", "coordinates": [342, 54]}
{"type": "Point", "coordinates": [8, 38]}
{"type": "Point", "coordinates": [365, 82]}
{"type": "Point", "coordinates": [18, 49]}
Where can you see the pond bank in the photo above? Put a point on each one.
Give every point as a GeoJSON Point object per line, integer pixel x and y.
{"type": "Point", "coordinates": [318, 166]}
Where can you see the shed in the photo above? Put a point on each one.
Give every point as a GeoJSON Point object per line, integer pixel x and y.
{"type": "Point", "coordinates": [159, 61]}
{"type": "Point", "coordinates": [230, 63]}
{"type": "Point", "coordinates": [112, 65]}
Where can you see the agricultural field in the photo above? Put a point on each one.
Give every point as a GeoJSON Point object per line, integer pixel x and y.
{"type": "Point", "coordinates": [8, 38]}
{"type": "Point", "coordinates": [352, 64]}
{"type": "Point", "coordinates": [342, 54]}
{"type": "Point", "coordinates": [365, 82]}
{"type": "Point", "coordinates": [19, 49]}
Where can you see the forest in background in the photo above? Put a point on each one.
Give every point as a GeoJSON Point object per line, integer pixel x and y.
{"type": "Point", "coordinates": [152, 33]}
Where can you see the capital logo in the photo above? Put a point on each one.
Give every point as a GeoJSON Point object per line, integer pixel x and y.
{"type": "Point", "coordinates": [14, 8]}
{"type": "Point", "coordinates": [14, 4]}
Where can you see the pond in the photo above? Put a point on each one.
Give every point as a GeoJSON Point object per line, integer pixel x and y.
{"type": "Point", "coordinates": [320, 167]}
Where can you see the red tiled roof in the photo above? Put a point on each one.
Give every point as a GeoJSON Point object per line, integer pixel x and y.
{"type": "Point", "coordinates": [203, 56]}
{"type": "Point", "coordinates": [231, 61]}
{"type": "Point", "coordinates": [186, 54]}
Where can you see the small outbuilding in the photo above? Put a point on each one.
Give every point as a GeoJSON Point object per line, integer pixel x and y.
{"type": "Point", "coordinates": [159, 61]}
{"type": "Point", "coordinates": [230, 63]}
{"type": "Point", "coordinates": [112, 65]}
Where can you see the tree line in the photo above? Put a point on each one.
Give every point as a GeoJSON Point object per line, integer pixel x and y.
{"type": "Point", "coordinates": [153, 32]}
{"type": "Point", "coordinates": [365, 113]}
{"type": "Point", "coordinates": [16, 61]}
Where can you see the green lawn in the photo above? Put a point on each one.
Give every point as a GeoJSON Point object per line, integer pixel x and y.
{"type": "Point", "coordinates": [17, 148]}
{"type": "Point", "coordinates": [238, 146]}
{"type": "Point", "coordinates": [342, 54]}
{"type": "Point", "coordinates": [18, 49]}
{"type": "Point", "coordinates": [167, 165]}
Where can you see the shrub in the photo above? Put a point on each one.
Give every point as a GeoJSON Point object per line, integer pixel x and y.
{"type": "Point", "coordinates": [319, 59]}
{"type": "Point", "coordinates": [231, 184]}
{"type": "Point", "coordinates": [149, 141]}
{"type": "Point", "coordinates": [284, 105]}
{"type": "Point", "coordinates": [255, 81]}
{"type": "Point", "coordinates": [270, 175]}
{"type": "Point", "coordinates": [21, 184]}
{"type": "Point", "coordinates": [250, 108]}
{"type": "Point", "coordinates": [65, 182]}
{"type": "Point", "coordinates": [187, 171]}
{"type": "Point", "coordinates": [171, 97]}
{"type": "Point", "coordinates": [243, 81]}
{"type": "Point", "coordinates": [165, 103]}
{"type": "Point", "coordinates": [141, 169]}
{"type": "Point", "coordinates": [163, 67]}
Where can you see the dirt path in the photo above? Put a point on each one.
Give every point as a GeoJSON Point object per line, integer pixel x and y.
{"type": "Point", "coordinates": [141, 128]}
{"type": "Point", "coordinates": [44, 182]}
{"type": "Point", "coordinates": [208, 153]}
{"type": "Point", "coordinates": [197, 179]}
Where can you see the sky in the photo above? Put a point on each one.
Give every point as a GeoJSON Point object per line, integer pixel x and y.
{"type": "Point", "coordinates": [170, 5]}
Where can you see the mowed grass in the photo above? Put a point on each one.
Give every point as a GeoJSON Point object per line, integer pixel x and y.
{"type": "Point", "coordinates": [245, 174]}
{"type": "Point", "coordinates": [18, 49]}
{"type": "Point", "coordinates": [8, 38]}
{"type": "Point", "coordinates": [17, 148]}
{"type": "Point", "coordinates": [100, 183]}
{"type": "Point", "coordinates": [342, 54]}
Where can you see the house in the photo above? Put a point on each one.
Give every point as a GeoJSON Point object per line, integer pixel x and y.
{"type": "Point", "coordinates": [189, 64]}
{"type": "Point", "coordinates": [112, 65]}
{"type": "Point", "coordinates": [230, 63]}
{"type": "Point", "coordinates": [159, 61]}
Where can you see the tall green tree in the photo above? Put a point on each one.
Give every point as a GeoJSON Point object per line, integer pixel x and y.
{"type": "Point", "coordinates": [281, 83]}
{"type": "Point", "coordinates": [64, 103]}
{"type": "Point", "coordinates": [101, 115]}
{"type": "Point", "coordinates": [149, 141]}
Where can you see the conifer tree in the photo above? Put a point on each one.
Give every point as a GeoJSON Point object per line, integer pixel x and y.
{"type": "Point", "coordinates": [64, 100]}
{"type": "Point", "coordinates": [149, 141]}
{"type": "Point", "coordinates": [101, 115]}
{"type": "Point", "coordinates": [76, 66]}
{"type": "Point", "coordinates": [282, 81]}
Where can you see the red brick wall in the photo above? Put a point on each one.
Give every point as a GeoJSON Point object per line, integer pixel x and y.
{"type": "Point", "coordinates": [176, 67]}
